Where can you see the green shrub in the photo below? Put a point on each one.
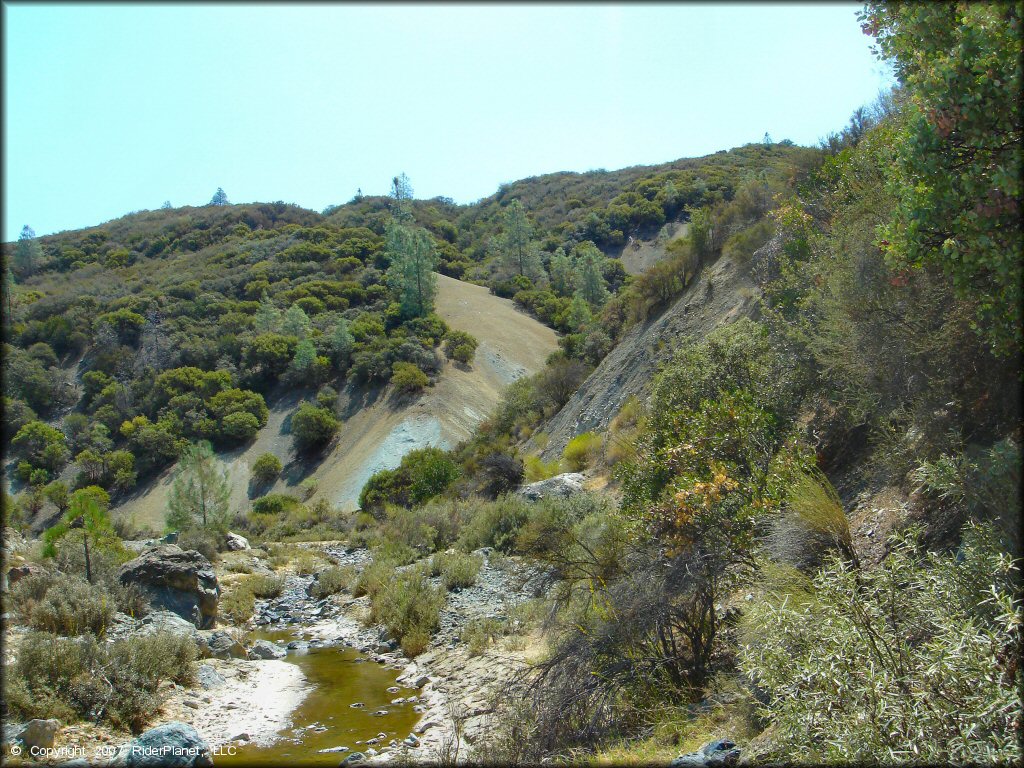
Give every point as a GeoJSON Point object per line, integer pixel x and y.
{"type": "Point", "coordinates": [480, 633]}
{"type": "Point", "coordinates": [333, 580]}
{"type": "Point", "coordinates": [63, 604]}
{"type": "Point", "coordinates": [456, 569]}
{"type": "Point", "coordinates": [265, 586]}
{"type": "Point", "coordinates": [913, 660]}
{"type": "Point", "coordinates": [238, 604]}
{"type": "Point", "coordinates": [80, 678]}
{"type": "Point", "coordinates": [408, 378]}
{"type": "Point", "coordinates": [460, 346]}
{"type": "Point", "coordinates": [537, 469]}
{"type": "Point", "coordinates": [582, 451]}
{"type": "Point", "coordinates": [313, 427]}
{"type": "Point", "coordinates": [207, 543]}
{"type": "Point", "coordinates": [266, 469]}
{"type": "Point", "coordinates": [421, 475]}
{"type": "Point", "coordinates": [409, 607]}
{"type": "Point", "coordinates": [495, 524]}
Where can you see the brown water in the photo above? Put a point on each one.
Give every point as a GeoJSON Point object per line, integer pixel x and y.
{"type": "Point", "coordinates": [338, 676]}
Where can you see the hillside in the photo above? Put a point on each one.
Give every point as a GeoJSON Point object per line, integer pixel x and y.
{"type": "Point", "coordinates": [379, 428]}
{"type": "Point", "coordinates": [712, 462]}
{"type": "Point", "coordinates": [721, 294]}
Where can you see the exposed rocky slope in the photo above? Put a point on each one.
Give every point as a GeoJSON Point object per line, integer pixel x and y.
{"type": "Point", "coordinates": [723, 292]}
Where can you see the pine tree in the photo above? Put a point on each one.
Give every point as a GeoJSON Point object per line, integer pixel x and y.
{"type": "Point", "coordinates": [401, 195]}
{"type": "Point", "coordinates": [563, 273]}
{"type": "Point", "coordinates": [305, 356]}
{"type": "Point", "coordinates": [219, 198]}
{"type": "Point", "coordinates": [85, 505]}
{"type": "Point", "coordinates": [296, 322]}
{"type": "Point", "coordinates": [517, 252]}
{"type": "Point", "coordinates": [411, 274]}
{"type": "Point", "coordinates": [200, 491]}
{"type": "Point", "coordinates": [268, 316]}
{"type": "Point", "coordinates": [166, 206]}
{"type": "Point", "coordinates": [590, 282]}
{"type": "Point", "coordinates": [341, 342]}
{"type": "Point", "coordinates": [27, 252]}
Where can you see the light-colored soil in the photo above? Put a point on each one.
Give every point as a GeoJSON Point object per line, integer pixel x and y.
{"type": "Point", "coordinates": [640, 255]}
{"type": "Point", "coordinates": [379, 429]}
{"type": "Point", "coordinates": [256, 699]}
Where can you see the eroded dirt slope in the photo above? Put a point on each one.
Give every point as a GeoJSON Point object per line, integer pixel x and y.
{"type": "Point", "coordinates": [378, 428]}
{"type": "Point", "coordinates": [722, 293]}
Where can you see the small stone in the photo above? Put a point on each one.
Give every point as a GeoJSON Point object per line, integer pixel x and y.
{"type": "Point", "coordinates": [354, 758]}
{"type": "Point", "coordinates": [334, 749]}
{"type": "Point", "coordinates": [357, 705]}
{"type": "Point", "coordinates": [192, 703]}
{"type": "Point", "coordinates": [240, 737]}
{"type": "Point", "coordinates": [380, 713]}
{"type": "Point", "coordinates": [393, 689]}
{"type": "Point", "coordinates": [411, 741]}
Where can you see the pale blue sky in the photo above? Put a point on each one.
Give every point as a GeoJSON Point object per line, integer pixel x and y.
{"type": "Point", "coordinates": [113, 108]}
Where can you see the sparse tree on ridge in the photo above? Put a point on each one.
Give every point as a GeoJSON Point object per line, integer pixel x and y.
{"type": "Point", "coordinates": [411, 252]}
{"type": "Point", "coordinates": [27, 252]}
{"type": "Point", "coordinates": [219, 198]}
{"type": "Point", "coordinates": [517, 252]}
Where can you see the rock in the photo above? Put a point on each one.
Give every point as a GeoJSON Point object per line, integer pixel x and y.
{"type": "Point", "coordinates": [333, 749]}
{"type": "Point", "coordinates": [161, 622]}
{"type": "Point", "coordinates": [235, 542]}
{"type": "Point", "coordinates": [411, 741]}
{"type": "Point", "coordinates": [19, 572]}
{"type": "Point", "coordinates": [557, 487]}
{"type": "Point", "coordinates": [177, 581]}
{"type": "Point", "coordinates": [34, 733]}
{"type": "Point", "coordinates": [240, 737]}
{"type": "Point", "coordinates": [191, 703]}
{"type": "Point", "coordinates": [209, 677]}
{"type": "Point", "coordinates": [221, 644]}
{"type": "Point", "coordinates": [353, 759]}
{"type": "Point", "coordinates": [264, 649]}
{"type": "Point", "coordinates": [171, 745]}
{"type": "Point", "coordinates": [720, 752]}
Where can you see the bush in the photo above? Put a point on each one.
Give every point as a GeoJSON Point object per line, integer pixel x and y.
{"type": "Point", "coordinates": [313, 427]}
{"type": "Point", "coordinates": [460, 346]}
{"type": "Point", "coordinates": [238, 605]}
{"type": "Point", "coordinates": [266, 469]}
{"type": "Point", "coordinates": [456, 569]}
{"type": "Point", "coordinates": [408, 378]}
{"type": "Point", "coordinates": [409, 607]}
{"type": "Point", "coordinates": [265, 586]}
{"type": "Point", "coordinates": [206, 543]}
{"type": "Point", "coordinates": [421, 475]}
{"type": "Point", "coordinates": [332, 581]}
{"type": "Point", "coordinates": [63, 604]}
{"type": "Point", "coordinates": [582, 451]}
{"type": "Point", "coordinates": [77, 678]}
{"type": "Point", "coordinates": [537, 469]}
{"type": "Point", "coordinates": [495, 524]}
{"type": "Point", "coordinates": [916, 659]}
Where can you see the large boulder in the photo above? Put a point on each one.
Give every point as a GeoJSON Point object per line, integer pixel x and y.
{"type": "Point", "coordinates": [171, 745]}
{"type": "Point", "coordinates": [235, 542]}
{"type": "Point", "coordinates": [221, 644]}
{"type": "Point", "coordinates": [19, 572]}
{"type": "Point", "coordinates": [176, 580]}
{"type": "Point", "coordinates": [720, 752]}
{"type": "Point", "coordinates": [34, 733]}
{"type": "Point", "coordinates": [264, 649]}
{"type": "Point", "coordinates": [558, 487]}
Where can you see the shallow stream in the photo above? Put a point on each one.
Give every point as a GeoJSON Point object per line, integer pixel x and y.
{"type": "Point", "coordinates": [325, 720]}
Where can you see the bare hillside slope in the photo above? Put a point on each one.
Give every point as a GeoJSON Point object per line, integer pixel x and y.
{"type": "Point", "coordinates": [379, 429]}
{"type": "Point", "coordinates": [722, 293]}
